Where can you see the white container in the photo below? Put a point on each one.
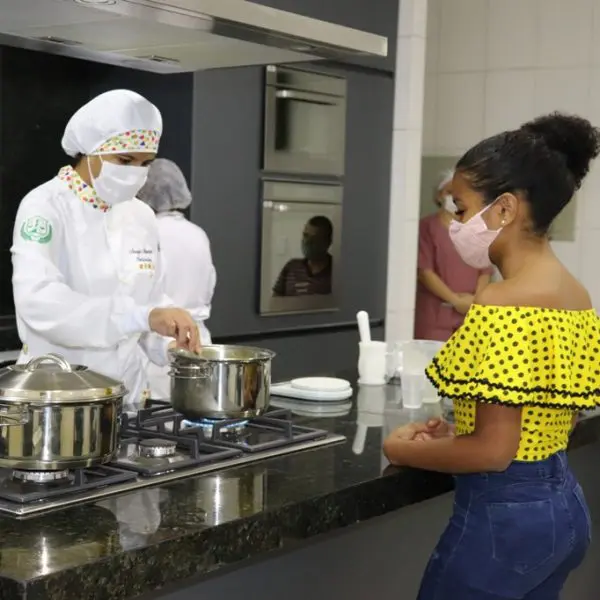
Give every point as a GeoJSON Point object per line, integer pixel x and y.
{"type": "Point", "coordinates": [372, 363]}
{"type": "Point", "coordinates": [411, 359]}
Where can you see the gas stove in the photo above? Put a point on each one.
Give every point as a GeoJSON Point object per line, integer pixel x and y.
{"type": "Point", "coordinates": [157, 446]}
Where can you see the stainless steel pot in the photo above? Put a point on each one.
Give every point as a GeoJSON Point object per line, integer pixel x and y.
{"type": "Point", "coordinates": [221, 382]}
{"type": "Point", "coordinates": [55, 416]}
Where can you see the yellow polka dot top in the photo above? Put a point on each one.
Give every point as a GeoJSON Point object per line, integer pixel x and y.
{"type": "Point", "coordinates": [546, 361]}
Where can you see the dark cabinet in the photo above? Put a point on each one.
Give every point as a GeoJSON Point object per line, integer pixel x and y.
{"type": "Point", "coordinates": [375, 16]}
{"type": "Point", "coordinates": [226, 154]}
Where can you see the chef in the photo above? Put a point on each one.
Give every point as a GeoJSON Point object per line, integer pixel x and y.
{"type": "Point", "coordinates": [88, 281]}
{"type": "Point", "coordinates": [190, 274]}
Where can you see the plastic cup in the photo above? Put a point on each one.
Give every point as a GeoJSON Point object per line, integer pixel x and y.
{"type": "Point", "coordinates": [413, 385]}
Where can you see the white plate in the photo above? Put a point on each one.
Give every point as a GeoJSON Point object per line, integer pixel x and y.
{"type": "Point", "coordinates": [372, 383]}
{"type": "Point", "coordinates": [313, 409]}
{"type": "Point", "coordinates": [288, 391]}
{"type": "Point", "coordinates": [320, 384]}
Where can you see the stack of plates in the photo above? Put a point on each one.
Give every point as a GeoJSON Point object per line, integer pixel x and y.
{"type": "Point", "coordinates": [314, 389]}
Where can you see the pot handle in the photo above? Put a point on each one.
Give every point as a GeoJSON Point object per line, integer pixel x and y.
{"type": "Point", "coordinates": [57, 359]}
{"type": "Point", "coordinates": [11, 416]}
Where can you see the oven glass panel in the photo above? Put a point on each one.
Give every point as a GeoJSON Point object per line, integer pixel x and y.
{"type": "Point", "coordinates": [300, 255]}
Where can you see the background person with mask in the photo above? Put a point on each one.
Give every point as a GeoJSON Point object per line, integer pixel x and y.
{"type": "Point", "coordinates": [310, 275]}
{"type": "Point", "coordinates": [87, 276]}
{"type": "Point", "coordinates": [446, 285]}
{"type": "Point", "coordinates": [190, 275]}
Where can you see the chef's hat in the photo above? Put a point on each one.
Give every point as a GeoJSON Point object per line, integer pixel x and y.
{"type": "Point", "coordinates": [116, 122]}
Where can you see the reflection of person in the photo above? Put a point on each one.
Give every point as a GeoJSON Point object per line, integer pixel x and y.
{"type": "Point", "coordinates": [310, 275]}
{"type": "Point", "coordinates": [87, 274]}
{"type": "Point", "coordinates": [190, 276]}
{"type": "Point", "coordinates": [446, 284]}
{"type": "Point", "coordinates": [522, 365]}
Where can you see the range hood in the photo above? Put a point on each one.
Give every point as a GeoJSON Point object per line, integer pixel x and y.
{"type": "Point", "coordinates": [174, 36]}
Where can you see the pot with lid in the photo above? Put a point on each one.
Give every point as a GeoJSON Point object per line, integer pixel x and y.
{"type": "Point", "coordinates": [221, 381]}
{"type": "Point", "coordinates": [54, 415]}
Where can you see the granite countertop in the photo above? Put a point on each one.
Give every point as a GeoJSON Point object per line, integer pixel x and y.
{"type": "Point", "coordinates": [139, 542]}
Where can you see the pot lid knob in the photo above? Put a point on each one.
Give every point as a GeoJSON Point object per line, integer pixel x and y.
{"type": "Point", "coordinates": [57, 359]}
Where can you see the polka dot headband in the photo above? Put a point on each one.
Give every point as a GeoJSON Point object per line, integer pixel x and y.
{"type": "Point", "coordinates": [137, 140]}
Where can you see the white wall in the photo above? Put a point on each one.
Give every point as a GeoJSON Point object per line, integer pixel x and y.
{"type": "Point", "coordinates": [493, 64]}
{"type": "Point", "coordinates": [406, 169]}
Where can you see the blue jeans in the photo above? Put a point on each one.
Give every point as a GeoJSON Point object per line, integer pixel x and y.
{"type": "Point", "coordinates": [516, 534]}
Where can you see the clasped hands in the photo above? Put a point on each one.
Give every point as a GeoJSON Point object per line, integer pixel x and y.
{"type": "Point", "coordinates": [422, 432]}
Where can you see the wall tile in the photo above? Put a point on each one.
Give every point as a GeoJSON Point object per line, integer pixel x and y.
{"type": "Point", "coordinates": [590, 198]}
{"type": "Point", "coordinates": [412, 18]}
{"type": "Point", "coordinates": [593, 111]}
{"type": "Point", "coordinates": [565, 32]}
{"type": "Point", "coordinates": [399, 325]}
{"type": "Point", "coordinates": [595, 50]}
{"type": "Point", "coordinates": [405, 177]}
{"type": "Point", "coordinates": [409, 83]}
{"type": "Point", "coordinates": [590, 248]}
{"type": "Point", "coordinates": [509, 99]}
{"type": "Point", "coordinates": [569, 253]}
{"type": "Point", "coordinates": [459, 111]}
{"type": "Point", "coordinates": [562, 89]}
{"type": "Point", "coordinates": [429, 114]}
{"type": "Point", "coordinates": [433, 36]}
{"type": "Point", "coordinates": [512, 39]}
{"type": "Point", "coordinates": [402, 265]}
{"type": "Point", "coordinates": [463, 35]}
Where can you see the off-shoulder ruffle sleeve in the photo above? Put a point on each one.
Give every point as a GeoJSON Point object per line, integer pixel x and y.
{"type": "Point", "coordinates": [522, 357]}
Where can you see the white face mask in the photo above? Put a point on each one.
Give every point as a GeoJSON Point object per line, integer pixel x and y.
{"type": "Point", "coordinates": [118, 183]}
{"type": "Point", "coordinates": [448, 204]}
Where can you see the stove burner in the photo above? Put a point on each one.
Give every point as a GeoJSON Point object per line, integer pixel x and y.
{"type": "Point", "coordinates": [212, 427]}
{"type": "Point", "coordinates": [157, 448]}
{"type": "Point", "coordinates": [40, 476]}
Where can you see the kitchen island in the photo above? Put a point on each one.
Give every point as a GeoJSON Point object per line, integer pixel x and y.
{"type": "Point", "coordinates": [301, 522]}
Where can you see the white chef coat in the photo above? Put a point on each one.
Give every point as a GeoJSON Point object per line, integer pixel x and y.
{"type": "Point", "coordinates": [84, 282]}
{"type": "Point", "coordinates": [190, 279]}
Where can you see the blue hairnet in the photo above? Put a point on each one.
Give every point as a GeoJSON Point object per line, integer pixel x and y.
{"type": "Point", "coordinates": [166, 188]}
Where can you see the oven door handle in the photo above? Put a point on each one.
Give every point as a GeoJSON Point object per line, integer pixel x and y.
{"type": "Point", "coordinates": [305, 97]}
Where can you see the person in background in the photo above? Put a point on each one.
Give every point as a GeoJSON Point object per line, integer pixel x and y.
{"type": "Point", "coordinates": [310, 275]}
{"type": "Point", "coordinates": [190, 275]}
{"type": "Point", "coordinates": [519, 370]}
{"type": "Point", "coordinates": [88, 280]}
{"type": "Point", "coordinates": [446, 285]}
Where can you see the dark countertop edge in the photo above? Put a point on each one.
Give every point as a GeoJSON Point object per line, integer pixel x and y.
{"type": "Point", "coordinates": [202, 553]}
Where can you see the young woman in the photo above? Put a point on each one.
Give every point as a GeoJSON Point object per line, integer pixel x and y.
{"type": "Point", "coordinates": [518, 370]}
{"type": "Point", "coordinates": [190, 275]}
{"type": "Point", "coordinates": [87, 277]}
{"type": "Point", "coordinates": [446, 284]}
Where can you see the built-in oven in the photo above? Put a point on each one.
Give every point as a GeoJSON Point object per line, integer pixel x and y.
{"type": "Point", "coordinates": [305, 122]}
{"type": "Point", "coordinates": [301, 242]}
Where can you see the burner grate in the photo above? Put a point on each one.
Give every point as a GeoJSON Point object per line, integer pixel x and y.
{"type": "Point", "coordinates": [189, 452]}
{"type": "Point", "coordinates": [79, 480]}
{"type": "Point", "coordinates": [274, 429]}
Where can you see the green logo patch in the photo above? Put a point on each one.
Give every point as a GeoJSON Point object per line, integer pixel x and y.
{"type": "Point", "coordinates": [36, 229]}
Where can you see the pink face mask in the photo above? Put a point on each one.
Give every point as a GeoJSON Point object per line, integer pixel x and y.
{"type": "Point", "coordinates": [473, 239]}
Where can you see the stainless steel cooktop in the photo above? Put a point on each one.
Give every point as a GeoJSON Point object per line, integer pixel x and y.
{"type": "Point", "coordinates": [158, 446]}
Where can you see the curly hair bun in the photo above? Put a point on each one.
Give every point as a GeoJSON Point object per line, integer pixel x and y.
{"type": "Point", "coordinates": [575, 138]}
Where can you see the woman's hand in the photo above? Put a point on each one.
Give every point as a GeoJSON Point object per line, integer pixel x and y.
{"type": "Point", "coordinates": [178, 324]}
{"type": "Point", "coordinates": [434, 429]}
{"type": "Point", "coordinates": [414, 432]}
{"type": "Point", "coordinates": [462, 303]}
{"type": "Point", "coordinates": [410, 432]}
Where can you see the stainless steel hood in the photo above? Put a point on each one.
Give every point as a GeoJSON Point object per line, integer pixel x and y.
{"type": "Point", "coordinates": [173, 36]}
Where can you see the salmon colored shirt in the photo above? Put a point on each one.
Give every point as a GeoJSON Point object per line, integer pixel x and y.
{"type": "Point", "coordinates": [435, 320]}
